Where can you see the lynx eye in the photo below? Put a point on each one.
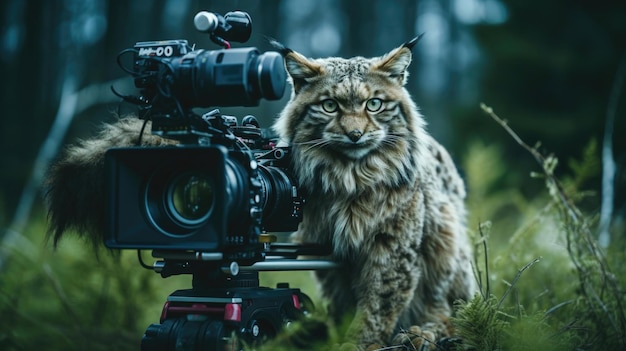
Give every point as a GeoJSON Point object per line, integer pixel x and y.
{"type": "Point", "coordinates": [330, 105]}
{"type": "Point", "coordinates": [374, 105]}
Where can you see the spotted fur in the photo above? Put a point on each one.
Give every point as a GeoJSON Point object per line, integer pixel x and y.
{"type": "Point", "coordinates": [382, 192]}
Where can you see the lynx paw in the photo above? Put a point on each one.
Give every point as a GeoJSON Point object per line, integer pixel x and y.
{"type": "Point", "coordinates": [430, 336]}
{"type": "Point", "coordinates": [354, 347]}
{"type": "Point", "coordinates": [345, 347]}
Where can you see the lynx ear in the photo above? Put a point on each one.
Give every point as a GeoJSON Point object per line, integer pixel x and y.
{"type": "Point", "coordinates": [301, 70]}
{"type": "Point", "coordinates": [395, 63]}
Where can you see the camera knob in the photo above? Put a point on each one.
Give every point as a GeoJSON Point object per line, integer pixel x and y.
{"type": "Point", "coordinates": [250, 121]}
{"type": "Point", "coordinates": [256, 213]}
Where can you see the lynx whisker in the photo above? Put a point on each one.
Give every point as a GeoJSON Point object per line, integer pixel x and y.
{"type": "Point", "coordinates": [392, 139]}
{"type": "Point", "coordinates": [311, 144]}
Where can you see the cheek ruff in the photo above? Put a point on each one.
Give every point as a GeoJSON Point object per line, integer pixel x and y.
{"type": "Point", "coordinates": [354, 147]}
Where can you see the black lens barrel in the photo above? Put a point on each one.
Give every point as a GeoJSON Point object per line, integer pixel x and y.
{"type": "Point", "coordinates": [232, 77]}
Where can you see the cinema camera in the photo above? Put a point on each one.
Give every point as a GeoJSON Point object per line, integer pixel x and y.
{"type": "Point", "coordinates": [209, 205]}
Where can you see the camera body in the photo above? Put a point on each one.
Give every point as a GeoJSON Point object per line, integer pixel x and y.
{"type": "Point", "coordinates": [225, 184]}
{"type": "Point", "coordinates": [205, 198]}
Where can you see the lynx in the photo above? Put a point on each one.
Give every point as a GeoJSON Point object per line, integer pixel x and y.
{"type": "Point", "coordinates": [383, 193]}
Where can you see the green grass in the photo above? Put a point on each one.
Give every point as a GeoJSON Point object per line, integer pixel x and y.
{"type": "Point", "coordinates": [72, 298]}
{"type": "Point", "coordinates": [544, 283]}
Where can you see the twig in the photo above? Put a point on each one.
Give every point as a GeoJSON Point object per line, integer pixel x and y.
{"type": "Point", "coordinates": [571, 210]}
{"type": "Point", "coordinates": [558, 306]}
{"type": "Point", "coordinates": [573, 220]}
{"type": "Point", "coordinates": [484, 240]}
{"type": "Point", "coordinates": [517, 276]}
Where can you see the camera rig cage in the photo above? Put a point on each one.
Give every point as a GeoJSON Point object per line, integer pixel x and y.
{"type": "Point", "coordinates": [207, 206]}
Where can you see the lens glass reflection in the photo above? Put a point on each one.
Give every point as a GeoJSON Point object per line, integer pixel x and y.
{"type": "Point", "coordinates": [191, 198]}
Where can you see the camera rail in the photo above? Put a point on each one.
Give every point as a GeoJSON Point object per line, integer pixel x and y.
{"type": "Point", "coordinates": [281, 257]}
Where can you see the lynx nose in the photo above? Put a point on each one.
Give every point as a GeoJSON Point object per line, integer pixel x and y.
{"type": "Point", "coordinates": [355, 135]}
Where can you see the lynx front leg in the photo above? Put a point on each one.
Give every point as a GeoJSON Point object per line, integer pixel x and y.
{"type": "Point", "coordinates": [383, 288]}
{"type": "Point", "coordinates": [336, 288]}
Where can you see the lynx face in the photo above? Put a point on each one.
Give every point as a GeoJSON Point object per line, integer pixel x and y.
{"type": "Point", "coordinates": [349, 106]}
{"type": "Point", "coordinates": [354, 113]}
{"type": "Point", "coordinates": [351, 130]}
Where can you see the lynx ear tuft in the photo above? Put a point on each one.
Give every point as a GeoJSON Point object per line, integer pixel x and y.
{"type": "Point", "coordinates": [395, 63]}
{"type": "Point", "coordinates": [301, 70]}
{"type": "Point", "coordinates": [278, 46]}
{"type": "Point", "coordinates": [411, 43]}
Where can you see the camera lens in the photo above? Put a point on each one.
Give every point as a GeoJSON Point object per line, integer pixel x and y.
{"type": "Point", "coordinates": [190, 198]}
{"type": "Point", "coordinates": [270, 77]}
{"type": "Point", "coordinates": [233, 77]}
{"type": "Point", "coordinates": [281, 204]}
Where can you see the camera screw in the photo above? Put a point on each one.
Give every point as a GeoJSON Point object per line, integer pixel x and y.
{"type": "Point", "coordinates": [232, 269]}
{"type": "Point", "coordinates": [253, 331]}
{"type": "Point", "coordinates": [158, 266]}
{"type": "Point", "coordinates": [267, 240]}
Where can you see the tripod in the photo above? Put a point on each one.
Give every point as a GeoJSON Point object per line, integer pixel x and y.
{"type": "Point", "coordinates": [226, 307]}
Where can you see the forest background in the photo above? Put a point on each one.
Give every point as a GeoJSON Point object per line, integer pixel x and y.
{"type": "Point", "coordinates": [554, 70]}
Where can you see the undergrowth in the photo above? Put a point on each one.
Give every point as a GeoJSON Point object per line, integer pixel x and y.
{"type": "Point", "coordinates": [544, 282]}
{"type": "Point", "coordinates": [575, 302]}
